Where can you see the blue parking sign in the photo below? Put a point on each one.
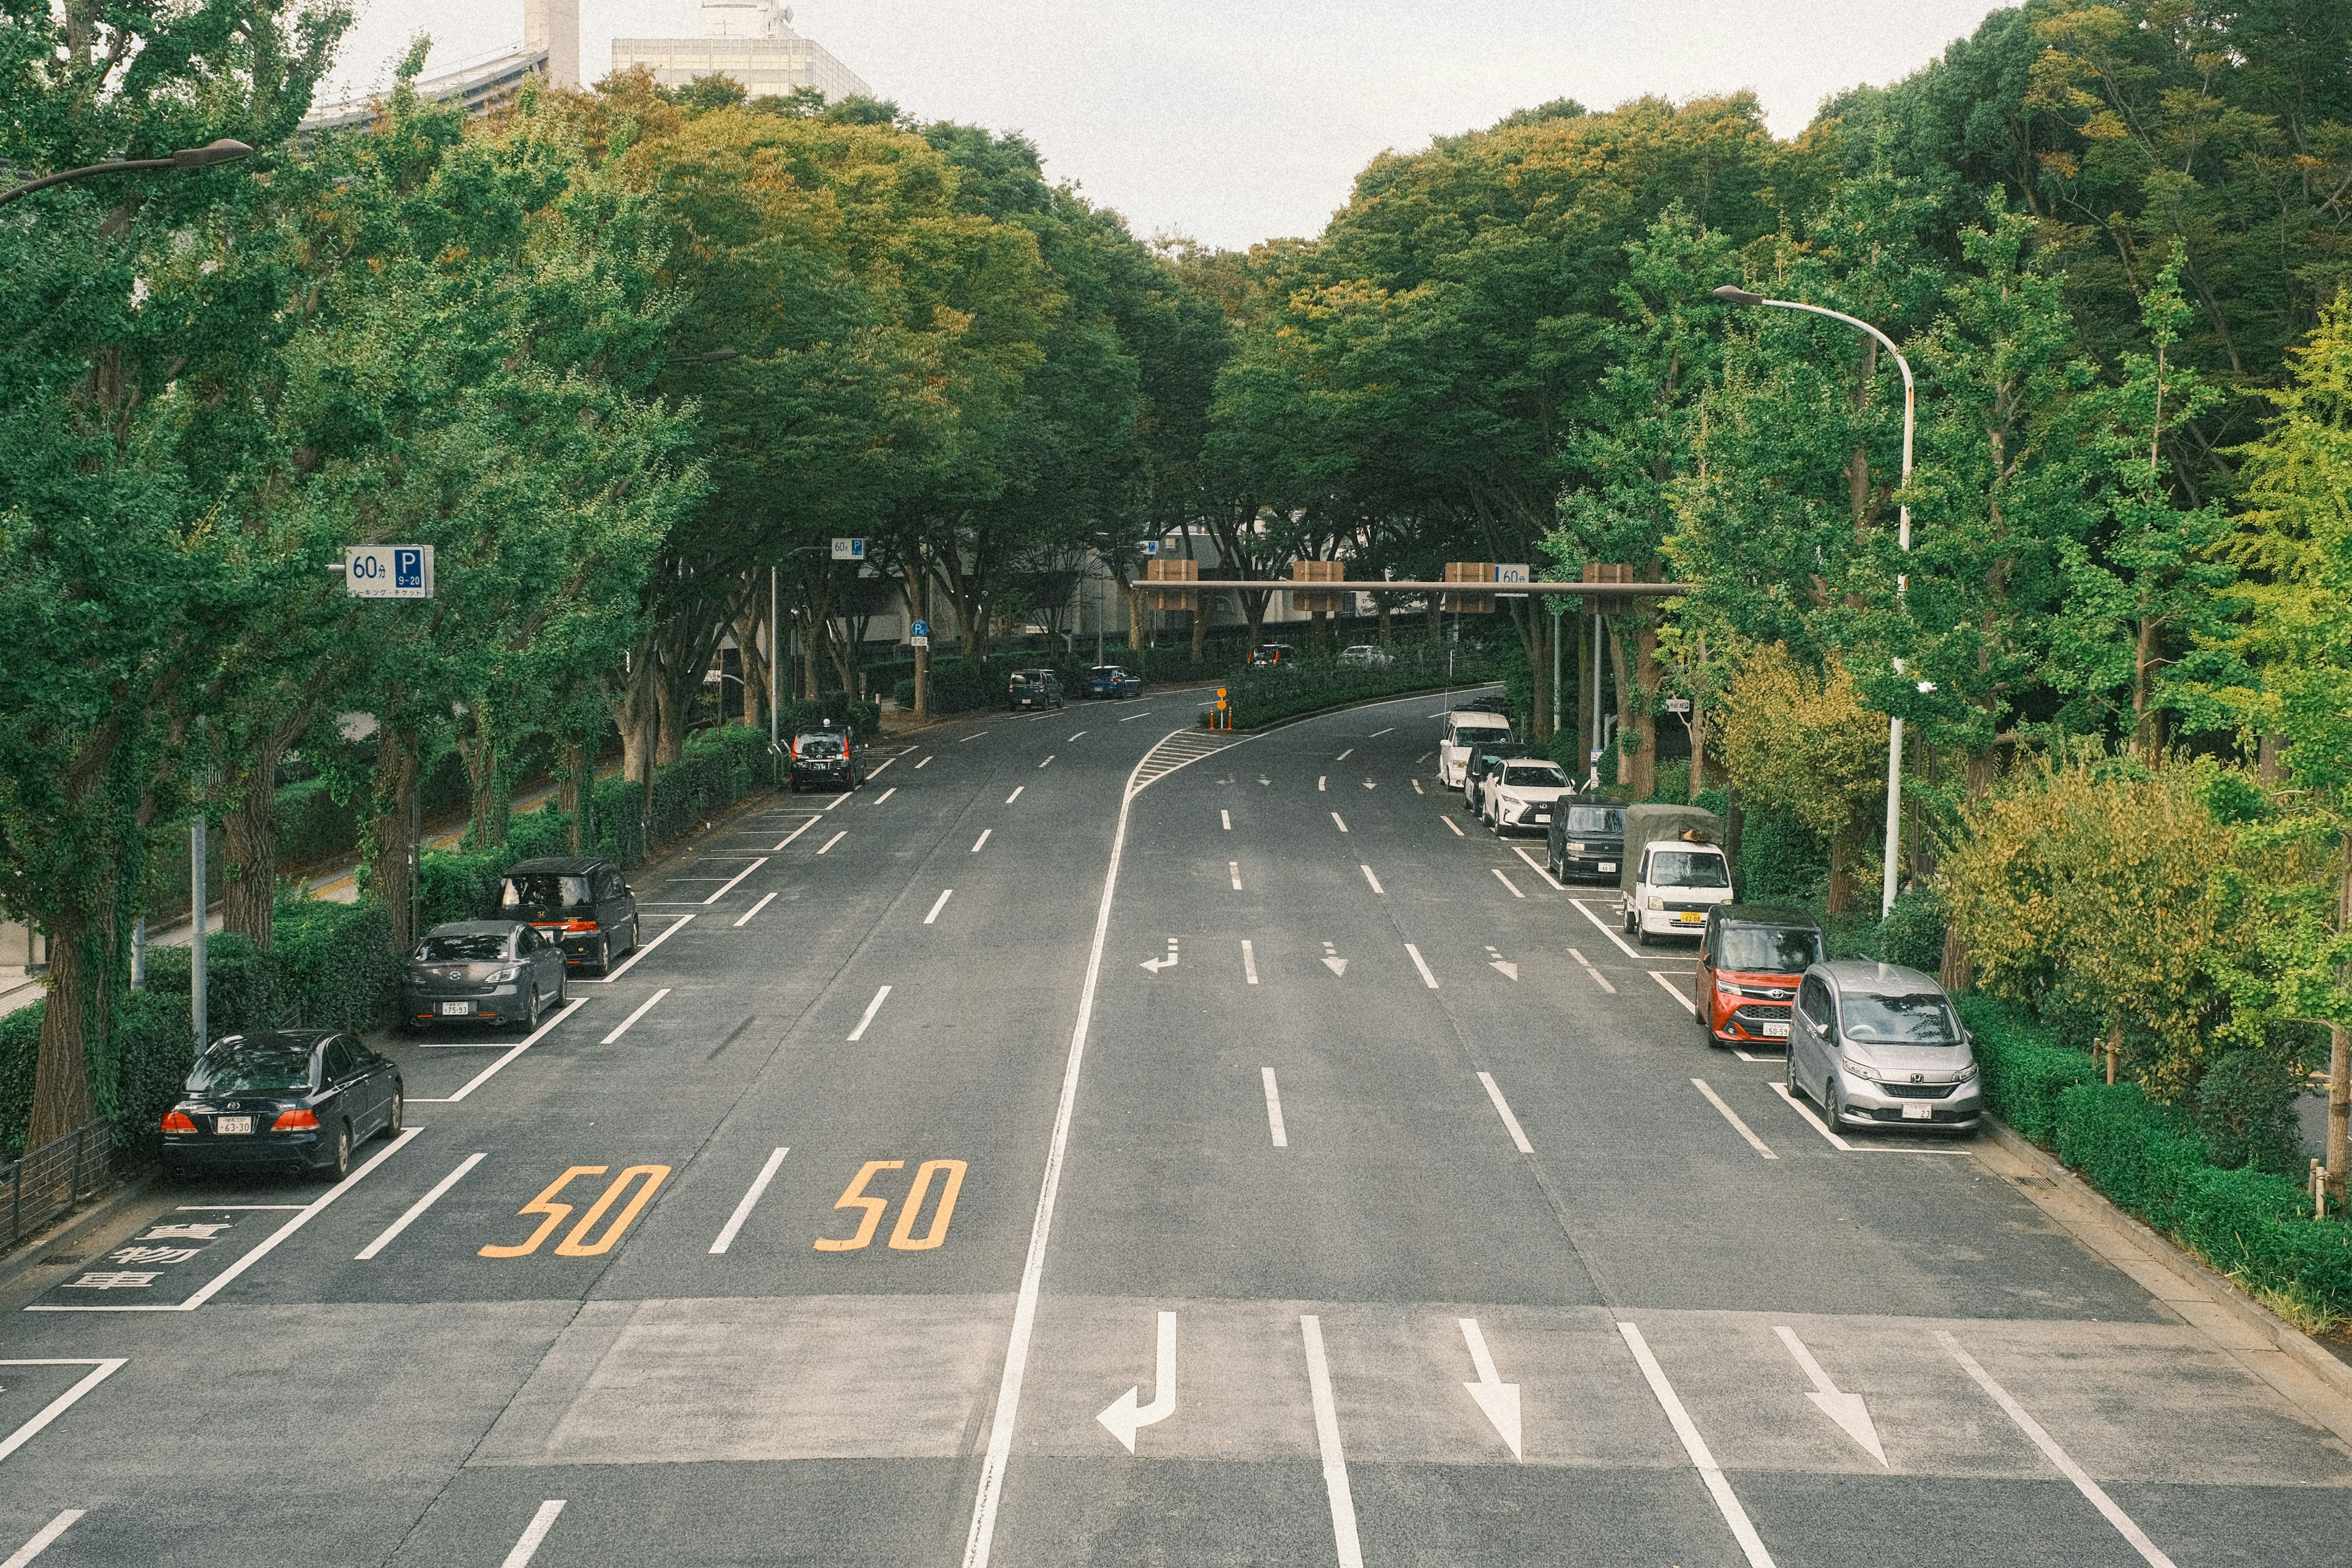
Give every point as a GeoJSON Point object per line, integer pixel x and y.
{"type": "Point", "coordinates": [407, 567]}
{"type": "Point", "coordinates": [919, 629]}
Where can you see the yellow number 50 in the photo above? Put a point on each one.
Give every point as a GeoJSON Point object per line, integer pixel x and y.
{"type": "Point", "coordinates": [902, 1234]}
{"type": "Point", "coordinates": [577, 1244]}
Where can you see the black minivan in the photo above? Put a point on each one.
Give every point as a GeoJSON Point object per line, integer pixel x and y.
{"type": "Point", "coordinates": [1588, 837]}
{"type": "Point", "coordinates": [579, 901]}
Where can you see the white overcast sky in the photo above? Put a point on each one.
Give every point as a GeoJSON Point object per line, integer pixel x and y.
{"type": "Point", "coordinates": [1237, 120]}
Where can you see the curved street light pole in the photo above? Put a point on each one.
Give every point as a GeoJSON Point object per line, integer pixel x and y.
{"type": "Point", "coordinates": [220, 152]}
{"type": "Point", "coordinates": [1734, 295]}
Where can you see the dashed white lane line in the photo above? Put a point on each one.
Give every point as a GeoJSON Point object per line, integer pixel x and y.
{"type": "Point", "coordinates": [1733, 1117]}
{"type": "Point", "coordinates": [795, 833]}
{"type": "Point", "coordinates": [1048, 762]}
{"type": "Point", "coordinates": [834, 839]}
{"type": "Point", "coordinates": [739, 877]}
{"type": "Point", "coordinates": [1503, 1109]}
{"type": "Point", "coordinates": [417, 1209]}
{"type": "Point", "coordinates": [100, 1369]}
{"type": "Point", "coordinates": [745, 919]}
{"type": "Point", "coordinates": [1321, 779]}
{"type": "Point", "coordinates": [968, 740]}
{"type": "Point", "coordinates": [1342, 825]}
{"type": "Point", "coordinates": [1227, 818]}
{"type": "Point", "coordinates": [751, 1199]}
{"type": "Point", "coordinates": [922, 765]}
{"type": "Point", "coordinates": [1507, 882]}
{"type": "Point", "coordinates": [1015, 794]}
{"type": "Point", "coordinates": [1674, 990]}
{"type": "Point", "coordinates": [1539, 868]}
{"type": "Point", "coordinates": [1133, 717]}
{"type": "Point", "coordinates": [644, 1007]}
{"type": "Point", "coordinates": [1345, 756]}
{"type": "Point", "coordinates": [541, 1523]}
{"type": "Point", "coordinates": [1418, 963]}
{"type": "Point", "coordinates": [1454, 825]}
{"type": "Point", "coordinates": [1602, 926]}
{"type": "Point", "coordinates": [837, 800]}
{"type": "Point", "coordinates": [942, 904]}
{"type": "Point", "coordinates": [1598, 978]}
{"type": "Point", "coordinates": [1378, 734]}
{"type": "Point", "coordinates": [46, 1536]}
{"type": "Point", "coordinates": [1274, 1110]}
{"type": "Point", "coordinates": [1233, 869]}
{"type": "Point", "coordinates": [982, 839]}
{"type": "Point", "coordinates": [876, 768]}
{"type": "Point", "coordinates": [886, 794]}
{"type": "Point", "coordinates": [871, 1008]}
{"type": "Point", "coordinates": [1725, 1500]}
{"type": "Point", "coordinates": [1326, 1440]}
{"type": "Point", "coordinates": [1375, 881]}
{"type": "Point", "coordinates": [1249, 962]}
{"type": "Point", "coordinates": [2096, 1494]}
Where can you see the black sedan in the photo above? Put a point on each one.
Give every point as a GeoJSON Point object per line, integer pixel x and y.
{"type": "Point", "coordinates": [295, 1099]}
{"type": "Point", "coordinates": [482, 972]}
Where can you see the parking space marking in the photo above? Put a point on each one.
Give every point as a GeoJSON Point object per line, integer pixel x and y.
{"type": "Point", "coordinates": [1823, 1127]}
{"type": "Point", "coordinates": [886, 794]}
{"type": "Point", "coordinates": [1249, 962]}
{"type": "Point", "coordinates": [1585, 910]}
{"type": "Point", "coordinates": [1674, 990]}
{"type": "Point", "coordinates": [745, 919]}
{"type": "Point", "coordinates": [1454, 825]}
{"type": "Point", "coordinates": [1375, 881]}
{"type": "Point", "coordinates": [751, 1199]}
{"type": "Point", "coordinates": [942, 904]}
{"type": "Point", "coordinates": [795, 833]}
{"type": "Point", "coordinates": [1726, 1500]}
{"type": "Point", "coordinates": [1417, 789]}
{"type": "Point", "coordinates": [1049, 758]}
{"type": "Point", "coordinates": [1598, 978]}
{"type": "Point", "coordinates": [877, 767]}
{"type": "Point", "coordinates": [1345, 756]}
{"type": "Point", "coordinates": [1507, 882]}
{"type": "Point", "coordinates": [414, 1210]}
{"type": "Point", "coordinates": [1327, 1440]}
{"type": "Point", "coordinates": [1274, 1109]}
{"type": "Point", "coordinates": [871, 1008]}
{"type": "Point", "coordinates": [43, 1538]}
{"type": "Point", "coordinates": [1342, 825]}
{"type": "Point", "coordinates": [922, 765]}
{"type": "Point", "coordinates": [1540, 868]}
{"type": "Point", "coordinates": [982, 839]}
{"type": "Point", "coordinates": [541, 1523]}
{"type": "Point", "coordinates": [631, 962]}
{"type": "Point", "coordinates": [1733, 1117]}
{"type": "Point", "coordinates": [834, 840]}
{"type": "Point", "coordinates": [1320, 779]}
{"type": "Point", "coordinates": [1227, 818]}
{"type": "Point", "coordinates": [1015, 794]}
{"type": "Point", "coordinates": [2091, 1489]}
{"type": "Point", "coordinates": [644, 1007]}
{"type": "Point", "coordinates": [100, 1369]}
{"type": "Point", "coordinates": [837, 800]}
{"type": "Point", "coordinates": [1503, 1109]}
{"type": "Point", "coordinates": [739, 877]}
{"type": "Point", "coordinates": [1378, 734]}
{"type": "Point", "coordinates": [1419, 962]}
{"type": "Point", "coordinates": [491, 1071]}
{"type": "Point", "coordinates": [1233, 869]}
{"type": "Point", "coordinates": [976, 734]}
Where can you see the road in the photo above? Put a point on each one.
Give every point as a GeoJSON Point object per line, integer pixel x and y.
{"type": "Point", "coordinates": [1098, 1141]}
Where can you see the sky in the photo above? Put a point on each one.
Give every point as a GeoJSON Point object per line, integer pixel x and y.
{"type": "Point", "coordinates": [1231, 122]}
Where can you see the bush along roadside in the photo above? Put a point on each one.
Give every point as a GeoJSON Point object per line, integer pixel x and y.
{"type": "Point", "coordinates": [1266, 694]}
{"type": "Point", "coordinates": [2152, 1161]}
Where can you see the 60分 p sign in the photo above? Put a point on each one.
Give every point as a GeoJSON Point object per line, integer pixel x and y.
{"type": "Point", "coordinates": [388, 571]}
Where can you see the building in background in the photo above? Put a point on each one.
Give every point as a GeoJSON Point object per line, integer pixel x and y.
{"type": "Point", "coordinates": [554, 26]}
{"type": "Point", "coordinates": [550, 50]}
{"type": "Point", "coordinates": [752, 43]}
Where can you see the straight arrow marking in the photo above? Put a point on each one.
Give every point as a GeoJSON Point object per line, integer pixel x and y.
{"type": "Point", "coordinates": [1847, 1410]}
{"type": "Point", "coordinates": [1498, 1399]}
{"type": "Point", "coordinates": [1124, 1416]}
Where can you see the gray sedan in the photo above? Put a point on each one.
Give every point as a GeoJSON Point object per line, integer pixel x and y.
{"type": "Point", "coordinates": [1876, 1043]}
{"type": "Point", "coordinates": [482, 972]}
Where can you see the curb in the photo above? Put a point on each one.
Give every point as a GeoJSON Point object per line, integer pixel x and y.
{"type": "Point", "coordinates": [22, 1256]}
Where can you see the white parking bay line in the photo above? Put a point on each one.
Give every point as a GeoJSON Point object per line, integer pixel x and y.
{"type": "Point", "coordinates": [1378, 734]}
{"type": "Point", "coordinates": [1417, 789]}
{"type": "Point", "coordinates": [795, 833]}
{"type": "Point", "coordinates": [922, 765]}
{"type": "Point", "coordinates": [1326, 1440]}
{"type": "Point", "coordinates": [541, 1523]}
{"type": "Point", "coordinates": [418, 1207]}
{"type": "Point", "coordinates": [750, 1198]}
{"type": "Point", "coordinates": [1586, 910]}
{"type": "Point", "coordinates": [102, 1368]}
{"type": "Point", "coordinates": [1233, 869]}
{"type": "Point", "coordinates": [1015, 794]}
{"type": "Point", "coordinates": [871, 1008]}
{"type": "Point", "coordinates": [1080, 733]}
{"type": "Point", "coordinates": [2091, 1489]}
{"type": "Point", "coordinates": [739, 877]}
{"type": "Point", "coordinates": [1507, 882]}
{"type": "Point", "coordinates": [829, 842]}
{"type": "Point", "coordinates": [1663, 978]}
{"type": "Point", "coordinates": [886, 794]}
{"type": "Point", "coordinates": [1249, 962]}
{"type": "Point", "coordinates": [628, 964]}
{"type": "Point", "coordinates": [945, 894]}
{"type": "Point", "coordinates": [877, 767]}
{"type": "Point", "coordinates": [1227, 818]}
{"type": "Point", "coordinates": [1725, 1500]}
{"type": "Point", "coordinates": [1598, 978]}
{"type": "Point", "coordinates": [1048, 760]}
{"type": "Point", "coordinates": [982, 839]}
{"type": "Point", "coordinates": [1342, 825]}
{"type": "Point", "coordinates": [1274, 1110]}
{"type": "Point", "coordinates": [1539, 868]}
{"type": "Point", "coordinates": [644, 1007]}
{"type": "Point", "coordinates": [1375, 881]}
{"type": "Point", "coordinates": [1454, 825]}
{"type": "Point", "coordinates": [745, 919]}
{"type": "Point", "coordinates": [1345, 756]}
{"type": "Point", "coordinates": [1733, 1117]}
{"type": "Point", "coordinates": [1503, 1109]}
{"type": "Point", "coordinates": [44, 1537]}
{"type": "Point", "coordinates": [491, 1071]}
{"type": "Point", "coordinates": [1426, 977]}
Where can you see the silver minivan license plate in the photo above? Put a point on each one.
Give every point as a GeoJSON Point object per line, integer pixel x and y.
{"type": "Point", "coordinates": [1917, 1110]}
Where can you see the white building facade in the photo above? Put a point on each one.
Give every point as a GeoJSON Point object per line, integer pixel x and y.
{"type": "Point", "coordinates": [752, 43]}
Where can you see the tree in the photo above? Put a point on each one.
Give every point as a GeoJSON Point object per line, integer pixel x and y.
{"type": "Point", "coordinates": [1800, 743]}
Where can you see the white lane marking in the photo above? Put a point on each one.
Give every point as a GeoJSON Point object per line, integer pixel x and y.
{"type": "Point", "coordinates": [269, 1245]}
{"type": "Point", "coordinates": [886, 794]}
{"type": "Point", "coordinates": [44, 1537]}
{"type": "Point", "coordinates": [1454, 825]}
{"type": "Point", "coordinates": [631, 962]}
{"type": "Point", "coordinates": [1418, 963]}
{"type": "Point", "coordinates": [232, 1208]}
{"type": "Point", "coordinates": [1375, 881]}
{"type": "Point", "coordinates": [1498, 1399]}
{"type": "Point", "coordinates": [727, 1232]}
{"type": "Point", "coordinates": [100, 1369]}
{"type": "Point", "coordinates": [1586, 910]}
{"type": "Point", "coordinates": [1156, 964]}
{"type": "Point", "coordinates": [795, 833]}
{"type": "Point", "coordinates": [877, 767]}
{"type": "Point", "coordinates": [1249, 962]}
{"type": "Point", "coordinates": [644, 1007]}
{"type": "Point", "coordinates": [1274, 1109]}
{"type": "Point", "coordinates": [1342, 825]}
{"type": "Point", "coordinates": [1725, 1500]}
{"type": "Point", "coordinates": [1501, 965]}
{"type": "Point", "coordinates": [1015, 794]}
{"type": "Point", "coordinates": [922, 765]}
{"type": "Point", "coordinates": [1417, 789]}
{"type": "Point", "coordinates": [1539, 868]}
{"type": "Point", "coordinates": [1598, 978]}
{"type": "Point", "coordinates": [2057, 1455]}
{"type": "Point", "coordinates": [1733, 1117]}
{"type": "Point", "coordinates": [1123, 1415]}
{"type": "Point", "coordinates": [1333, 962]}
{"type": "Point", "coordinates": [1507, 882]}
{"type": "Point", "coordinates": [1378, 734]}
{"type": "Point", "coordinates": [1327, 1438]}
{"type": "Point", "coordinates": [1320, 779]}
{"type": "Point", "coordinates": [1663, 978]}
{"type": "Point", "coordinates": [745, 918]}
{"type": "Point", "coordinates": [417, 1209]}
{"type": "Point", "coordinates": [1801, 1109]}
{"type": "Point", "coordinates": [976, 734]}
{"type": "Point", "coordinates": [491, 1071]}
{"type": "Point", "coordinates": [1048, 759]}
{"type": "Point", "coordinates": [739, 877]}
{"type": "Point", "coordinates": [1133, 717]}
{"type": "Point", "coordinates": [1848, 1410]}
{"type": "Point", "coordinates": [834, 840]}
{"type": "Point", "coordinates": [941, 904]}
{"type": "Point", "coordinates": [871, 1008]}
{"type": "Point", "coordinates": [1080, 733]}
{"type": "Point", "coordinates": [1345, 756]}
{"type": "Point", "coordinates": [1227, 818]}
{"type": "Point", "coordinates": [541, 1523]}
{"type": "Point", "coordinates": [1233, 869]}
{"type": "Point", "coordinates": [1503, 1109]}
{"type": "Point", "coordinates": [982, 839]}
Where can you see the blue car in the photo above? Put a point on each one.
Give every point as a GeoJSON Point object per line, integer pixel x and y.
{"type": "Point", "coordinates": [1110, 680]}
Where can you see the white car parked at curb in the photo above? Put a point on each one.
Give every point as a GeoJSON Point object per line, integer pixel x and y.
{"type": "Point", "coordinates": [1520, 796]}
{"type": "Point", "coordinates": [1465, 726]}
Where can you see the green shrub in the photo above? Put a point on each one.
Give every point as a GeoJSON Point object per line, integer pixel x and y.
{"type": "Point", "coordinates": [1266, 694]}
{"type": "Point", "coordinates": [902, 692]}
{"type": "Point", "coordinates": [20, 1050]}
{"type": "Point", "coordinates": [2023, 1067]}
{"type": "Point", "coordinates": [2245, 1109]}
{"type": "Point", "coordinates": [241, 990]}
{"type": "Point", "coordinates": [1913, 931]}
{"type": "Point", "coordinates": [336, 969]}
{"type": "Point", "coordinates": [153, 1048]}
{"type": "Point", "coordinates": [312, 826]}
{"type": "Point", "coordinates": [460, 884]}
{"type": "Point", "coordinates": [1780, 862]}
{"type": "Point", "coordinates": [2136, 1151]}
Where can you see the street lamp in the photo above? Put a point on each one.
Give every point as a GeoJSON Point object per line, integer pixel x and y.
{"type": "Point", "coordinates": [220, 152]}
{"type": "Point", "coordinates": [1731, 294]}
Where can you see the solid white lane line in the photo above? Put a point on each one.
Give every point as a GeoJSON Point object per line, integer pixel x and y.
{"type": "Point", "coordinates": [1378, 734]}
{"type": "Point", "coordinates": [1586, 910]}
{"type": "Point", "coordinates": [1674, 990]}
{"type": "Point", "coordinates": [491, 1071]}
{"type": "Point", "coordinates": [795, 833]}
{"type": "Point", "coordinates": [631, 962]}
{"type": "Point", "coordinates": [886, 794]}
{"type": "Point", "coordinates": [644, 1007]}
{"type": "Point", "coordinates": [1335, 817]}
{"type": "Point", "coordinates": [1507, 882]}
{"type": "Point", "coordinates": [1048, 759]}
{"type": "Point", "coordinates": [1598, 978]}
{"type": "Point", "coordinates": [877, 767]}
{"type": "Point", "coordinates": [2057, 1455]}
{"type": "Point", "coordinates": [47, 1535]}
{"type": "Point", "coordinates": [922, 765]}
{"type": "Point", "coordinates": [750, 1197]}
{"type": "Point", "coordinates": [1733, 1117]}
{"type": "Point", "coordinates": [419, 1208]}
{"type": "Point", "coordinates": [1503, 1109]}
{"type": "Point", "coordinates": [1320, 779]}
{"type": "Point", "coordinates": [1274, 1110]}
{"type": "Point", "coordinates": [745, 918]}
{"type": "Point", "coordinates": [1537, 868]}
{"type": "Point", "coordinates": [834, 840]}
{"type": "Point", "coordinates": [1345, 756]}
{"type": "Point", "coordinates": [976, 734]}
{"type": "Point", "coordinates": [1080, 733]}
{"type": "Point", "coordinates": [1426, 977]}
{"type": "Point", "coordinates": [100, 1371]}
{"type": "Point", "coordinates": [1233, 869]}
{"type": "Point", "coordinates": [1725, 1500]}
{"type": "Point", "coordinates": [1249, 963]}
{"type": "Point", "coordinates": [1227, 818]}
{"type": "Point", "coordinates": [1375, 881]}
{"type": "Point", "coordinates": [871, 1008]}
{"type": "Point", "coordinates": [1327, 1438]}
{"type": "Point", "coordinates": [739, 877]}
{"type": "Point", "coordinates": [942, 904]}
{"type": "Point", "coordinates": [982, 839]}
{"type": "Point", "coordinates": [1454, 825]}
{"type": "Point", "coordinates": [541, 1523]}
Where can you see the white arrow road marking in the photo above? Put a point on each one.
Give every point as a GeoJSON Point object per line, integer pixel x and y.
{"type": "Point", "coordinates": [1733, 1117]}
{"type": "Point", "coordinates": [1233, 869]}
{"type": "Point", "coordinates": [1727, 1501]}
{"type": "Point", "coordinates": [1274, 1110]}
{"type": "Point", "coordinates": [1332, 961]}
{"type": "Point", "coordinates": [1498, 1399]}
{"type": "Point", "coordinates": [43, 1541]}
{"type": "Point", "coordinates": [1264, 780]}
{"type": "Point", "coordinates": [750, 1197]}
{"type": "Point", "coordinates": [871, 1008]}
{"type": "Point", "coordinates": [1249, 962]}
{"type": "Point", "coordinates": [1156, 964]}
{"type": "Point", "coordinates": [1846, 1409]}
{"type": "Point", "coordinates": [1507, 882]}
{"type": "Point", "coordinates": [1454, 825]}
{"type": "Point", "coordinates": [942, 904]}
{"type": "Point", "coordinates": [541, 1523]}
{"type": "Point", "coordinates": [1598, 978]}
{"type": "Point", "coordinates": [1418, 963]}
{"type": "Point", "coordinates": [1327, 1438]}
{"type": "Point", "coordinates": [1125, 1415]}
{"type": "Point", "coordinates": [1370, 784]}
{"type": "Point", "coordinates": [1375, 881]}
{"type": "Point", "coordinates": [1495, 960]}
{"type": "Point", "coordinates": [1503, 1109]}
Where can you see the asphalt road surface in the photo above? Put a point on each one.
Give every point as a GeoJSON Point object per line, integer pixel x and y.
{"type": "Point", "coordinates": [1097, 1141]}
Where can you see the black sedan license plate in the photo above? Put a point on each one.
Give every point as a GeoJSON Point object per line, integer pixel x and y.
{"type": "Point", "coordinates": [457, 1009]}
{"type": "Point", "coordinates": [233, 1124]}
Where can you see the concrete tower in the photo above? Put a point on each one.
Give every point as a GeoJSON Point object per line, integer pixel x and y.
{"type": "Point", "coordinates": [554, 26]}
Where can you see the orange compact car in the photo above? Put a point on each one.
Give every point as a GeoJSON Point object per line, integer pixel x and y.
{"type": "Point", "coordinates": [1750, 957]}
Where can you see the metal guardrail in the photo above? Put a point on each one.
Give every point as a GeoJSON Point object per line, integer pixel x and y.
{"type": "Point", "coordinates": [50, 1181]}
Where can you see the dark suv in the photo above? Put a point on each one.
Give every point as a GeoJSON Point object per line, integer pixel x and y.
{"type": "Point", "coordinates": [1033, 688]}
{"type": "Point", "coordinates": [1588, 837]}
{"type": "Point", "coordinates": [1750, 959]}
{"type": "Point", "coordinates": [827, 756]}
{"type": "Point", "coordinates": [579, 902]}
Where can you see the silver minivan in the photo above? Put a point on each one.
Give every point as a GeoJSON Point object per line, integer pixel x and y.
{"type": "Point", "coordinates": [1878, 1045]}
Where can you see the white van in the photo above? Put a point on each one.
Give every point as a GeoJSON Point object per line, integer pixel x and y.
{"type": "Point", "coordinates": [1675, 882]}
{"type": "Point", "coordinates": [1464, 726]}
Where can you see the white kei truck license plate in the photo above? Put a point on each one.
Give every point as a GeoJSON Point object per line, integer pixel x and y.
{"type": "Point", "coordinates": [457, 1009]}
{"type": "Point", "coordinates": [1918, 1110]}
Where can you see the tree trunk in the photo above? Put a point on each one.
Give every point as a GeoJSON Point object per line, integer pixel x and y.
{"type": "Point", "coordinates": [390, 838]}
{"type": "Point", "coordinates": [1200, 631]}
{"type": "Point", "coordinates": [1588, 692]}
{"type": "Point", "coordinates": [573, 783]}
{"type": "Point", "coordinates": [1956, 971]}
{"type": "Point", "coordinates": [1840, 892]}
{"type": "Point", "coordinates": [2267, 772]}
{"type": "Point", "coordinates": [1734, 820]}
{"type": "Point", "coordinates": [479, 752]}
{"type": "Point", "coordinates": [252, 846]}
{"type": "Point", "coordinates": [1135, 616]}
{"type": "Point", "coordinates": [2148, 719]}
{"type": "Point", "coordinates": [1626, 733]}
{"type": "Point", "coordinates": [1254, 613]}
{"type": "Point", "coordinates": [61, 1092]}
{"type": "Point", "coordinates": [1318, 632]}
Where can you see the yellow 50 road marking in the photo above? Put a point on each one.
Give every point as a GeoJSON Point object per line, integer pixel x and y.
{"type": "Point", "coordinates": [576, 1243]}
{"type": "Point", "coordinates": [902, 1234]}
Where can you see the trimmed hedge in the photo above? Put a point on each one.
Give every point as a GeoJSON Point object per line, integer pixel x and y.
{"type": "Point", "coordinates": [1266, 694]}
{"type": "Point", "coordinates": [2025, 1068]}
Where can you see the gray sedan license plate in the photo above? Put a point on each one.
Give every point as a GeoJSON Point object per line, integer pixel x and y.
{"type": "Point", "coordinates": [232, 1123]}
{"type": "Point", "coordinates": [1917, 1110]}
{"type": "Point", "coordinates": [457, 1009]}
